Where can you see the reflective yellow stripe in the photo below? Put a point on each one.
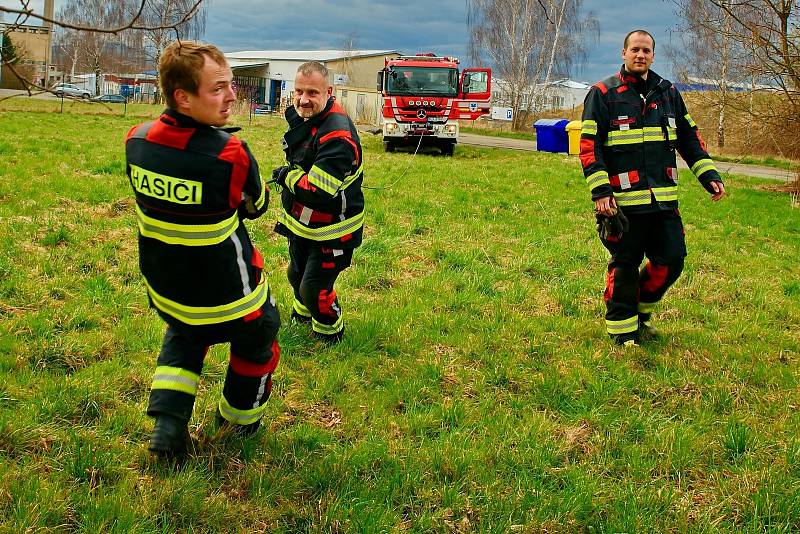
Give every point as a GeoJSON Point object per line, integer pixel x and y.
{"type": "Point", "coordinates": [327, 329]}
{"type": "Point", "coordinates": [240, 417]}
{"type": "Point", "coordinates": [596, 179]}
{"type": "Point", "coordinates": [331, 231]}
{"type": "Point", "coordinates": [624, 326]}
{"type": "Point", "coordinates": [192, 235]}
{"type": "Point", "coordinates": [293, 177]}
{"type": "Point", "coordinates": [324, 180]}
{"type": "Point", "coordinates": [646, 307]}
{"type": "Point", "coordinates": [689, 120]}
{"type": "Point", "coordinates": [175, 379]}
{"type": "Point", "coordinates": [353, 177]}
{"type": "Point", "coordinates": [653, 133]}
{"type": "Point", "coordinates": [199, 315]}
{"type": "Point", "coordinates": [624, 137]}
{"type": "Point", "coordinates": [328, 182]}
{"type": "Point", "coordinates": [666, 194]}
{"type": "Point", "coordinates": [589, 127]}
{"type": "Point", "coordinates": [260, 200]}
{"type": "Point", "coordinates": [703, 165]}
{"type": "Point", "coordinates": [639, 135]}
{"type": "Point", "coordinates": [300, 308]}
{"type": "Point", "coordinates": [633, 198]}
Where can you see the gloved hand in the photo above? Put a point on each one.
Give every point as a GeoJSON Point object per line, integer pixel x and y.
{"type": "Point", "coordinates": [613, 226]}
{"type": "Point", "coordinates": [279, 175]}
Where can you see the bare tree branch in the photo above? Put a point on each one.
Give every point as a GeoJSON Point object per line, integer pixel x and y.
{"type": "Point", "coordinates": [130, 25]}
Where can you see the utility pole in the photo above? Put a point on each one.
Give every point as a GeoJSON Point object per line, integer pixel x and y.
{"type": "Point", "coordinates": [49, 9]}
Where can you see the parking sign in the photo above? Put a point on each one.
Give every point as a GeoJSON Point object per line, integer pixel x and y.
{"type": "Point", "coordinates": [502, 114]}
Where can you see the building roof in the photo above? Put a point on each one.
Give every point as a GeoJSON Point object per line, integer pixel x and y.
{"type": "Point", "coordinates": [565, 82]}
{"type": "Point", "coordinates": [570, 84]}
{"type": "Point", "coordinates": [261, 57]}
{"type": "Point", "coordinates": [236, 63]}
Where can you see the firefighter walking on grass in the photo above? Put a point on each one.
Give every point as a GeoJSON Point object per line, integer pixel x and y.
{"type": "Point", "coordinates": [194, 184]}
{"type": "Point", "coordinates": [323, 206]}
{"type": "Point", "coordinates": [633, 123]}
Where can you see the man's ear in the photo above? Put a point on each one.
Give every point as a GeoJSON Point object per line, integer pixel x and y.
{"type": "Point", "coordinates": [181, 98]}
{"type": "Point", "coordinates": [330, 90]}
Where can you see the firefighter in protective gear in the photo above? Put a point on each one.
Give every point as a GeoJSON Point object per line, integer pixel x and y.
{"type": "Point", "coordinates": [633, 123]}
{"type": "Point", "coordinates": [194, 184]}
{"type": "Point", "coordinates": [323, 206]}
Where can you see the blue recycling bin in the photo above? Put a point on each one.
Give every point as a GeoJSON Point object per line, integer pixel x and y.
{"type": "Point", "coordinates": [551, 135]}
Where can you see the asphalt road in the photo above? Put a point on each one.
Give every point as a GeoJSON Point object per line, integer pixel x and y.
{"type": "Point", "coordinates": [724, 167]}
{"type": "Point", "coordinates": [4, 93]}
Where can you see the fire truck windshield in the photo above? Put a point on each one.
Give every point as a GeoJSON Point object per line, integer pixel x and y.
{"type": "Point", "coordinates": [435, 81]}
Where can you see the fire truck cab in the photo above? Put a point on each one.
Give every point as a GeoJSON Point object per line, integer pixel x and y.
{"type": "Point", "coordinates": [424, 97]}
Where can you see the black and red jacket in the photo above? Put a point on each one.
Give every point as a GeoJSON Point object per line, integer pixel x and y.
{"type": "Point", "coordinates": [630, 133]}
{"type": "Point", "coordinates": [322, 200]}
{"type": "Point", "coordinates": [194, 184]}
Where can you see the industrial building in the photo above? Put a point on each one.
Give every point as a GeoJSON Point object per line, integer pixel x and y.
{"type": "Point", "coordinates": [267, 77]}
{"type": "Point", "coordinates": [33, 47]}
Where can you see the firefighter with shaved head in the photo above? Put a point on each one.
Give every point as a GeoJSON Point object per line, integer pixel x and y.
{"type": "Point", "coordinates": [323, 206]}
{"type": "Point", "coordinates": [195, 183]}
{"type": "Point", "coordinates": [633, 124]}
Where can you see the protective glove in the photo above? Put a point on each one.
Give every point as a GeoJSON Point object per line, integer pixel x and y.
{"type": "Point", "coordinates": [279, 175]}
{"type": "Point", "coordinates": [613, 226]}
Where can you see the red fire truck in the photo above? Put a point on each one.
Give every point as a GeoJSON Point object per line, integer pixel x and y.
{"type": "Point", "coordinates": [425, 95]}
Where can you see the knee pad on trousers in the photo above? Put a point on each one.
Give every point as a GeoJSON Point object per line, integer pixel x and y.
{"type": "Point", "coordinates": [320, 302]}
{"type": "Point", "coordinates": [657, 278]}
{"type": "Point", "coordinates": [622, 283]}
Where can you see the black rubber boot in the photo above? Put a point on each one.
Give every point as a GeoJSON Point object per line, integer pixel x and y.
{"type": "Point", "coordinates": [302, 319]}
{"type": "Point", "coordinates": [330, 338]}
{"type": "Point", "coordinates": [242, 430]}
{"type": "Point", "coordinates": [626, 340]}
{"type": "Point", "coordinates": [170, 437]}
{"type": "Point", "coordinates": [647, 330]}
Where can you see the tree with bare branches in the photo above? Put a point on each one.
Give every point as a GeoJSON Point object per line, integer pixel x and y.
{"type": "Point", "coordinates": [123, 17]}
{"type": "Point", "coordinates": [165, 21]}
{"type": "Point", "coordinates": [526, 42]}
{"type": "Point", "coordinates": [95, 51]}
{"type": "Point", "coordinates": [756, 41]}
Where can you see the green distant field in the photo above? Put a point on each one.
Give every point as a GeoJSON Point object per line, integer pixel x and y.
{"type": "Point", "coordinates": [475, 390]}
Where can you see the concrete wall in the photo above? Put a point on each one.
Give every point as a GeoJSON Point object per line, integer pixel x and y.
{"type": "Point", "coordinates": [362, 104]}
{"type": "Point", "coordinates": [362, 72]}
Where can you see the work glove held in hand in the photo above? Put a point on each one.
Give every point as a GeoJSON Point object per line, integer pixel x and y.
{"type": "Point", "coordinates": [279, 175]}
{"type": "Point", "coordinates": [613, 226]}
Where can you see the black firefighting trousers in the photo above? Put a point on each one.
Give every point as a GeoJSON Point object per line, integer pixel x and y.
{"type": "Point", "coordinates": [254, 355]}
{"type": "Point", "coordinates": [312, 271]}
{"type": "Point", "coordinates": [631, 294]}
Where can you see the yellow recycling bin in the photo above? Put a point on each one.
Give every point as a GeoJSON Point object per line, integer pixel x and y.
{"type": "Point", "coordinates": [574, 134]}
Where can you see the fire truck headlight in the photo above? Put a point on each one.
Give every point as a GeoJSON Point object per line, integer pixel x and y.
{"type": "Point", "coordinates": [450, 128]}
{"type": "Point", "coordinates": [391, 127]}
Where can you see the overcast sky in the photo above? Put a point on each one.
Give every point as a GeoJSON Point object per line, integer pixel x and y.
{"type": "Point", "coordinates": [410, 26]}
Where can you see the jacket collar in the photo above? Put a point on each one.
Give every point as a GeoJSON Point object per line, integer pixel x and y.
{"type": "Point", "coordinates": [175, 118]}
{"type": "Point", "coordinates": [300, 129]}
{"type": "Point", "coordinates": [653, 80]}
{"type": "Point", "coordinates": [180, 120]}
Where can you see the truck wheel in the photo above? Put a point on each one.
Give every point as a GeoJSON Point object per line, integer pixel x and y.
{"type": "Point", "coordinates": [388, 146]}
{"type": "Point", "coordinates": [448, 149]}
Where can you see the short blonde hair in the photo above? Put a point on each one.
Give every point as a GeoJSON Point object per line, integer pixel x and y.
{"type": "Point", "coordinates": [180, 66]}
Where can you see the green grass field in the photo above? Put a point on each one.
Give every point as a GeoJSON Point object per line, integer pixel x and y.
{"type": "Point", "coordinates": [475, 390]}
